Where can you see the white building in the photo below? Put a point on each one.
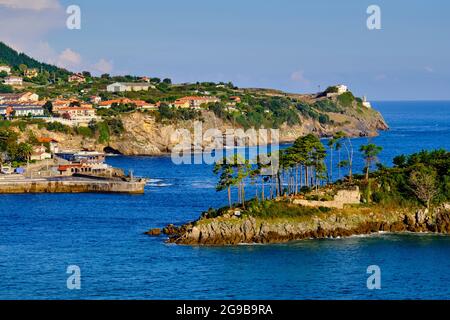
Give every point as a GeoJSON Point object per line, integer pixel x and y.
{"type": "Point", "coordinates": [128, 86]}
{"type": "Point", "coordinates": [6, 69]}
{"type": "Point", "coordinates": [21, 110]}
{"type": "Point", "coordinates": [337, 90]}
{"type": "Point", "coordinates": [341, 89]}
{"type": "Point", "coordinates": [13, 81]}
{"type": "Point", "coordinates": [39, 153]}
{"type": "Point", "coordinates": [19, 97]}
{"type": "Point", "coordinates": [366, 103]}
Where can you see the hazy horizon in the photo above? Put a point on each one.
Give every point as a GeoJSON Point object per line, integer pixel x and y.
{"type": "Point", "coordinates": [293, 46]}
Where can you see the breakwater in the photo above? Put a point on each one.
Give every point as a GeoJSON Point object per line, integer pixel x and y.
{"type": "Point", "coordinates": [71, 185]}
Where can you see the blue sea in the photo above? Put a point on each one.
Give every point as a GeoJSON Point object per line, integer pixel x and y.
{"type": "Point", "coordinates": [102, 234]}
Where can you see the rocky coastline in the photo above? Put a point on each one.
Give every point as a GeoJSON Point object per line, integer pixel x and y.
{"type": "Point", "coordinates": [144, 136]}
{"type": "Point", "coordinates": [236, 230]}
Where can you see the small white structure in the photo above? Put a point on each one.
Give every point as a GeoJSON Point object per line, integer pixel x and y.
{"type": "Point", "coordinates": [53, 144]}
{"type": "Point", "coordinates": [366, 103]}
{"type": "Point", "coordinates": [341, 89]}
{"type": "Point", "coordinates": [128, 86]}
{"type": "Point", "coordinates": [13, 81]}
{"type": "Point", "coordinates": [19, 97]}
{"type": "Point", "coordinates": [6, 69]}
{"type": "Point", "coordinates": [21, 110]}
{"type": "Point", "coordinates": [95, 99]}
{"type": "Point", "coordinates": [338, 90]}
{"type": "Point", "coordinates": [77, 77]}
{"type": "Point", "coordinates": [40, 153]}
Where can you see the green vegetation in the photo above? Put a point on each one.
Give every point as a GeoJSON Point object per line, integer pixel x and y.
{"type": "Point", "coordinates": [346, 99]}
{"type": "Point", "coordinates": [17, 60]}
{"type": "Point", "coordinates": [420, 178]}
{"type": "Point", "coordinates": [4, 88]}
{"type": "Point", "coordinates": [103, 130]}
{"type": "Point", "coordinates": [281, 209]}
{"type": "Point", "coordinates": [58, 127]}
{"type": "Point", "coordinates": [370, 153]}
{"type": "Point", "coordinates": [166, 112]}
{"type": "Point", "coordinates": [11, 149]}
{"type": "Point", "coordinates": [316, 110]}
{"type": "Point", "coordinates": [300, 166]}
{"type": "Point", "coordinates": [116, 109]}
{"type": "Point", "coordinates": [257, 112]}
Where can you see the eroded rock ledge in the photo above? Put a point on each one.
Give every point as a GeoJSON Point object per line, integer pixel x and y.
{"type": "Point", "coordinates": [339, 223]}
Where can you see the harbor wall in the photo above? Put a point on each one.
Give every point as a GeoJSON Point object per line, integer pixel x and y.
{"type": "Point", "coordinates": [61, 186]}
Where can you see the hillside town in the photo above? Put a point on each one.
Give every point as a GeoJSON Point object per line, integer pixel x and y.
{"type": "Point", "coordinates": [93, 107]}
{"type": "Point", "coordinates": [72, 111]}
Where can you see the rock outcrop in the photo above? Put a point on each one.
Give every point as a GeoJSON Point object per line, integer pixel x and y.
{"type": "Point", "coordinates": [143, 135]}
{"type": "Point", "coordinates": [234, 230]}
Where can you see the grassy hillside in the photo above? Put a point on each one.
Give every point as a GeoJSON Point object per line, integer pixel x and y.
{"type": "Point", "coordinates": [13, 58]}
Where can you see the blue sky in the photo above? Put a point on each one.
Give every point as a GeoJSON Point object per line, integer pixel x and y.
{"type": "Point", "coordinates": [285, 44]}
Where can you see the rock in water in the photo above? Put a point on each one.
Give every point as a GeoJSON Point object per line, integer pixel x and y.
{"type": "Point", "coordinates": [154, 232]}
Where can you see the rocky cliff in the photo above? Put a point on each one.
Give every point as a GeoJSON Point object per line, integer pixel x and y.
{"type": "Point", "coordinates": [143, 135]}
{"type": "Point", "coordinates": [338, 223]}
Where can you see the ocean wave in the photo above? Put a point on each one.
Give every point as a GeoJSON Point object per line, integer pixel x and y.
{"type": "Point", "coordinates": [149, 181]}
{"type": "Point", "coordinates": [160, 185]}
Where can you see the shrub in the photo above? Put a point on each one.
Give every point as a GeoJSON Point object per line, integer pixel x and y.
{"type": "Point", "coordinates": [346, 99]}
{"type": "Point", "coordinates": [84, 131]}
{"type": "Point", "coordinates": [115, 126]}
{"type": "Point", "coordinates": [58, 127]}
{"type": "Point", "coordinates": [103, 132]}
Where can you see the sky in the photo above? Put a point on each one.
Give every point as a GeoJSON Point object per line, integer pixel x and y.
{"type": "Point", "coordinates": [292, 45]}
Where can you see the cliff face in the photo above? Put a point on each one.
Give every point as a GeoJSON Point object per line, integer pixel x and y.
{"type": "Point", "coordinates": [143, 135]}
{"type": "Point", "coordinates": [233, 231]}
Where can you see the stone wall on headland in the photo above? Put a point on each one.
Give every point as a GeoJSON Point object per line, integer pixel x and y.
{"type": "Point", "coordinates": [342, 198]}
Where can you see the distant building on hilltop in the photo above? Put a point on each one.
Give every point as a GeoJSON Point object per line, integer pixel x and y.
{"type": "Point", "coordinates": [128, 86]}
{"type": "Point", "coordinates": [336, 90]}
{"type": "Point", "coordinates": [6, 69]}
{"type": "Point", "coordinates": [21, 110]}
{"type": "Point", "coordinates": [77, 113]}
{"type": "Point", "coordinates": [95, 99]}
{"type": "Point", "coordinates": [341, 88]}
{"type": "Point", "coordinates": [40, 153]}
{"type": "Point", "coordinates": [77, 77]}
{"type": "Point", "coordinates": [366, 103]}
{"type": "Point", "coordinates": [235, 99]}
{"type": "Point", "coordinates": [13, 81]}
{"type": "Point", "coordinates": [31, 73]}
{"type": "Point", "coordinates": [194, 102]}
{"type": "Point", "coordinates": [19, 97]}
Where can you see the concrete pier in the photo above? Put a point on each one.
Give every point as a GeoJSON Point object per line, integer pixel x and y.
{"type": "Point", "coordinates": [18, 185]}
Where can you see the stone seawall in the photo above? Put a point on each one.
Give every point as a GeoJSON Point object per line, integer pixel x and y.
{"type": "Point", "coordinates": [342, 198]}
{"type": "Point", "coordinates": [72, 186]}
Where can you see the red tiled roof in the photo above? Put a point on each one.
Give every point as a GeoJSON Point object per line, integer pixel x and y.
{"type": "Point", "coordinates": [46, 140]}
{"type": "Point", "coordinates": [65, 167]}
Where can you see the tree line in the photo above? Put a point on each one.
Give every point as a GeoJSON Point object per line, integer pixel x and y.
{"type": "Point", "coordinates": [299, 168]}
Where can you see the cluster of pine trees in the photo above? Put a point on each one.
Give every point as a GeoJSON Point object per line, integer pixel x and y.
{"type": "Point", "coordinates": [299, 168]}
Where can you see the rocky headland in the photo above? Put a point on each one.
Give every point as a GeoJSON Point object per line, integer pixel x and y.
{"type": "Point", "coordinates": [234, 230]}
{"type": "Point", "coordinates": [143, 134]}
